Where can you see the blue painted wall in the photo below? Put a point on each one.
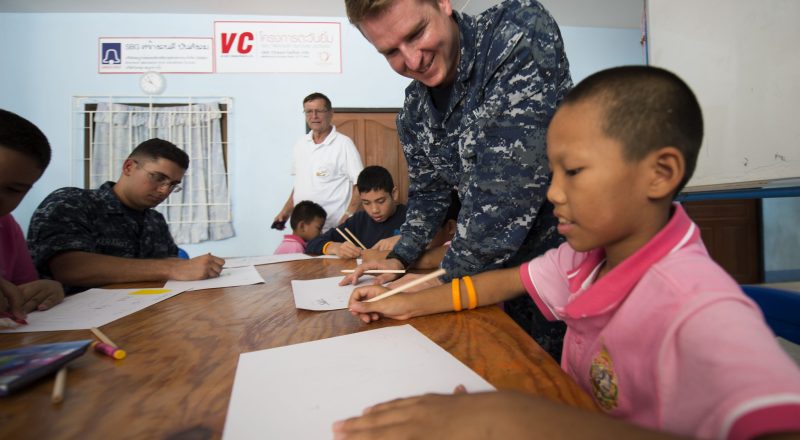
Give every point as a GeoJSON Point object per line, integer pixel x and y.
{"type": "Point", "coordinates": [49, 58]}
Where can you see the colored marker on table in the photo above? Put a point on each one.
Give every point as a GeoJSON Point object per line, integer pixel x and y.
{"type": "Point", "coordinates": [108, 350]}
{"type": "Point", "coordinates": [10, 321]}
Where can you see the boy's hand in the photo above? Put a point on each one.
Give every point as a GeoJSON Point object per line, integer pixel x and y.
{"type": "Point", "coordinates": [282, 217]}
{"type": "Point", "coordinates": [461, 415]}
{"type": "Point", "coordinates": [11, 299]}
{"type": "Point", "coordinates": [395, 307]}
{"type": "Point", "coordinates": [41, 295]}
{"type": "Point", "coordinates": [198, 268]}
{"type": "Point", "coordinates": [379, 264]}
{"type": "Point", "coordinates": [500, 414]}
{"type": "Point", "coordinates": [344, 250]}
{"type": "Point", "coordinates": [386, 244]}
{"type": "Point", "coordinates": [373, 255]}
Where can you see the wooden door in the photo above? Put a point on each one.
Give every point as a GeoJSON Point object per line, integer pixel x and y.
{"type": "Point", "coordinates": [731, 231]}
{"type": "Point", "coordinates": [375, 136]}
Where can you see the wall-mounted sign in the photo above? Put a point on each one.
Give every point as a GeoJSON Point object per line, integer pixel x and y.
{"type": "Point", "coordinates": [278, 47]}
{"type": "Point", "coordinates": [167, 55]}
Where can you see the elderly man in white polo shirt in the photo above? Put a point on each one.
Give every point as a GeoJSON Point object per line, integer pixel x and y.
{"type": "Point", "coordinates": [325, 166]}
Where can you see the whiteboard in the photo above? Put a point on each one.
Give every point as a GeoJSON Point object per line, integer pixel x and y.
{"type": "Point", "coordinates": [742, 60]}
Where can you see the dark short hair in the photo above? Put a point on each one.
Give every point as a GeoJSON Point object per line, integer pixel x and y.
{"type": "Point", "coordinates": [453, 209]}
{"type": "Point", "coordinates": [645, 108]}
{"type": "Point", "coordinates": [306, 211]}
{"type": "Point", "coordinates": [154, 149]}
{"type": "Point", "coordinates": [358, 10]}
{"type": "Point", "coordinates": [317, 95]}
{"type": "Point", "coordinates": [374, 177]}
{"type": "Point", "coordinates": [20, 134]}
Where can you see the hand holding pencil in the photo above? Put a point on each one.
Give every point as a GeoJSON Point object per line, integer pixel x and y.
{"type": "Point", "coordinates": [370, 303]}
{"type": "Point", "coordinates": [383, 265]}
{"type": "Point", "coordinates": [397, 307]}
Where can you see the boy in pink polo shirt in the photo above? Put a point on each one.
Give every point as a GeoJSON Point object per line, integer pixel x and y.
{"type": "Point", "coordinates": [659, 335]}
{"type": "Point", "coordinates": [306, 221]}
{"type": "Point", "coordinates": [24, 155]}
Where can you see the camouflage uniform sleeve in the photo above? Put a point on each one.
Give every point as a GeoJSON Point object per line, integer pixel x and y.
{"type": "Point", "coordinates": [503, 152]}
{"type": "Point", "coordinates": [428, 196]}
{"type": "Point", "coordinates": [61, 223]}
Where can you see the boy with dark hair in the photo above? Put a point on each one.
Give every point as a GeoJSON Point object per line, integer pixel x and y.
{"type": "Point", "coordinates": [434, 253]}
{"type": "Point", "coordinates": [306, 221]}
{"type": "Point", "coordinates": [88, 238]}
{"type": "Point", "coordinates": [380, 218]}
{"type": "Point", "coordinates": [658, 333]}
{"type": "Point", "coordinates": [24, 155]}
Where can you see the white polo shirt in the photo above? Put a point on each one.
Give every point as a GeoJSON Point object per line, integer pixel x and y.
{"type": "Point", "coordinates": [325, 173]}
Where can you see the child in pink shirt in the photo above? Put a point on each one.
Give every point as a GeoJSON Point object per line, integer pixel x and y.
{"type": "Point", "coordinates": [24, 155]}
{"type": "Point", "coordinates": [16, 265]}
{"type": "Point", "coordinates": [306, 221]}
{"type": "Point", "coordinates": [658, 334]}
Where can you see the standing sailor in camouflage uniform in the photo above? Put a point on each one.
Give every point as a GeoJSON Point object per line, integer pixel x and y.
{"type": "Point", "coordinates": [475, 118]}
{"type": "Point", "coordinates": [88, 238]}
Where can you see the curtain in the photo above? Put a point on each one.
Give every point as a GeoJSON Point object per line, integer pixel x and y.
{"type": "Point", "coordinates": [200, 212]}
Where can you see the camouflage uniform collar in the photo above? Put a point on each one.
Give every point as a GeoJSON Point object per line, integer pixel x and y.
{"type": "Point", "coordinates": [110, 200]}
{"type": "Point", "coordinates": [467, 37]}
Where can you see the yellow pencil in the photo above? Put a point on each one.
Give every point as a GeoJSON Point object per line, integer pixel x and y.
{"type": "Point", "coordinates": [60, 384]}
{"type": "Point", "coordinates": [371, 271]}
{"type": "Point", "coordinates": [346, 238]}
{"type": "Point", "coordinates": [356, 239]}
{"type": "Point", "coordinates": [409, 285]}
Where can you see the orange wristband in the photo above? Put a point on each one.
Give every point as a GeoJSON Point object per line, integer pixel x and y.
{"type": "Point", "coordinates": [456, 294]}
{"type": "Point", "coordinates": [325, 248]}
{"type": "Point", "coordinates": [473, 297]}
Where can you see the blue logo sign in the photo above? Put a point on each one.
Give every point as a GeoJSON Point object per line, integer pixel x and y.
{"type": "Point", "coordinates": [111, 53]}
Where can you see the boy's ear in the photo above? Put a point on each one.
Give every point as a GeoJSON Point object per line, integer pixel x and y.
{"type": "Point", "coordinates": [127, 166]}
{"type": "Point", "coordinates": [668, 168]}
{"type": "Point", "coordinates": [395, 193]}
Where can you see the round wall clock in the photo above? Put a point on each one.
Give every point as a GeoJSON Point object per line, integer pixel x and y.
{"type": "Point", "coordinates": [152, 83]}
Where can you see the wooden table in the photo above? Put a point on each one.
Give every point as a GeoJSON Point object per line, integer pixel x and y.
{"type": "Point", "coordinates": [182, 357]}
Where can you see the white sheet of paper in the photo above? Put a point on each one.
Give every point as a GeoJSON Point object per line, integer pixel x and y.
{"type": "Point", "coordinates": [266, 259]}
{"type": "Point", "coordinates": [231, 277]}
{"type": "Point", "coordinates": [298, 391]}
{"type": "Point", "coordinates": [93, 308]}
{"type": "Point", "coordinates": [324, 293]}
{"type": "Point", "coordinates": [336, 257]}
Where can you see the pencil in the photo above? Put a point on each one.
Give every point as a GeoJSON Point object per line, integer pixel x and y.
{"type": "Point", "coordinates": [407, 286]}
{"type": "Point", "coordinates": [356, 239]}
{"type": "Point", "coordinates": [101, 336]}
{"type": "Point", "coordinates": [346, 238]}
{"type": "Point", "coordinates": [370, 271]}
{"type": "Point", "coordinates": [58, 387]}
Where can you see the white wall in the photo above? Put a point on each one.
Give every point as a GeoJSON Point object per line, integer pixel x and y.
{"type": "Point", "coordinates": [49, 58]}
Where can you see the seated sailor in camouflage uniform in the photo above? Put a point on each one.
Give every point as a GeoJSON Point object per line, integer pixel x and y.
{"type": "Point", "coordinates": [88, 238]}
{"type": "Point", "coordinates": [475, 119]}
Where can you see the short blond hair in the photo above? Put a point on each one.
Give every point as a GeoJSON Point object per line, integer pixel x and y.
{"type": "Point", "coordinates": [358, 10]}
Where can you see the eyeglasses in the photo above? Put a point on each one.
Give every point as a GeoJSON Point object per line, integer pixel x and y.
{"type": "Point", "coordinates": [161, 180]}
{"type": "Point", "coordinates": [315, 112]}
